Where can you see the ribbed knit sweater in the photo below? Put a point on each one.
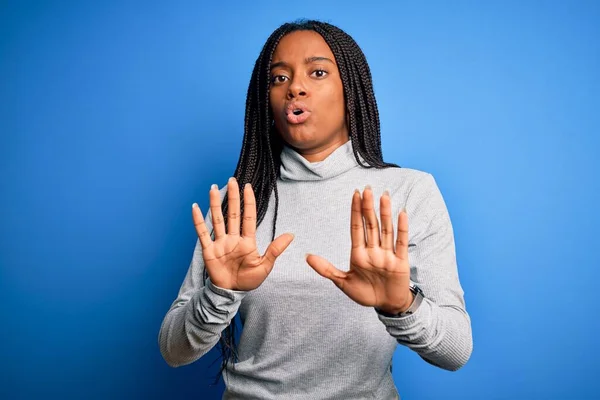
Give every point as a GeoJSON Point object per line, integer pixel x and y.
{"type": "Point", "coordinates": [302, 337]}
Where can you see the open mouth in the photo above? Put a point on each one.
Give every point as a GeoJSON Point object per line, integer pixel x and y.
{"type": "Point", "coordinates": [297, 116]}
{"type": "Point", "coordinates": [297, 113]}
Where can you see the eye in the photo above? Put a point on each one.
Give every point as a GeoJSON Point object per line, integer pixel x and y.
{"type": "Point", "coordinates": [320, 73]}
{"type": "Point", "coordinates": [277, 79]}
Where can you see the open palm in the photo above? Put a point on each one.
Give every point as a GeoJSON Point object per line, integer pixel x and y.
{"type": "Point", "coordinates": [232, 260]}
{"type": "Point", "coordinates": [379, 273]}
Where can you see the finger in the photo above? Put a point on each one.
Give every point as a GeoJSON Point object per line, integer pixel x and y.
{"type": "Point", "coordinates": [387, 226]}
{"type": "Point", "coordinates": [233, 207]}
{"type": "Point", "coordinates": [402, 239]}
{"type": "Point", "coordinates": [200, 225]}
{"type": "Point", "coordinates": [249, 224]}
{"type": "Point", "coordinates": [275, 249]}
{"type": "Point", "coordinates": [357, 229]}
{"type": "Point", "coordinates": [371, 222]}
{"type": "Point", "coordinates": [326, 269]}
{"type": "Point", "coordinates": [216, 213]}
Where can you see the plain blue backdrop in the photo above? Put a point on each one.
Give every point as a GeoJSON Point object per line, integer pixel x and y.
{"type": "Point", "coordinates": [116, 116]}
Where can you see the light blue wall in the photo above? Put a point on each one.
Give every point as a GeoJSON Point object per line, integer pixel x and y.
{"type": "Point", "coordinates": [116, 116]}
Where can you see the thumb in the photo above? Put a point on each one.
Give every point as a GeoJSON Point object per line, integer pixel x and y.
{"type": "Point", "coordinates": [275, 249]}
{"type": "Point", "coordinates": [326, 269]}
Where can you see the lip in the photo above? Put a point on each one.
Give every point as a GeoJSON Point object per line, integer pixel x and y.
{"type": "Point", "coordinates": [297, 119]}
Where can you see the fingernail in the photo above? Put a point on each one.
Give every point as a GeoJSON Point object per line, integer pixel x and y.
{"type": "Point", "coordinates": [232, 179]}
{"type": "Point", "coordinates": [194, 205]}
{"type": "Point", "coordinates": [386, 193]}
{"type": "Point", "coordinates": [368, 187]}
{"type": "Point", "coordinates": [404, 210]}
{"type": "Point", "coordinates": [247, 185]}
{"type": "Point", "coordinates": [213, 186]}
{"type": "Point", "coordinates": [306, 255]}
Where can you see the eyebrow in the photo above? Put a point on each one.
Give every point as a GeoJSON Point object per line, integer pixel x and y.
{"type": "Point", "coordinates": [307, 60]}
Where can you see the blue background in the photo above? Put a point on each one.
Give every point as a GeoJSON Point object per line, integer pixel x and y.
{"type": "Point", "coordinates": [116, 116]}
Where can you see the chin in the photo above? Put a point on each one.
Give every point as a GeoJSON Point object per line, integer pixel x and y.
{"type": "Point", "coordinates": [300, 138]}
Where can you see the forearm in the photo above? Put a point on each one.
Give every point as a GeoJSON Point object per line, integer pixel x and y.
{"type": "Point", "coordinates": [192, 327]}
{"type": "Point", "coordinates": [441, 335]}
{"type": "Point", "coordinates": [440, 329]}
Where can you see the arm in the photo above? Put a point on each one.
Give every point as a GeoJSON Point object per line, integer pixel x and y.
{"type": "Point", "coordinates": [194, 323]}
{"type": "Point", "coordinates": [440, 329]}
{"type": "Point", "coordinates": [201, 312]}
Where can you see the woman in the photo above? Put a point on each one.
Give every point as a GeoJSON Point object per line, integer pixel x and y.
{"type": "Point", "coordinates": [311, 138]}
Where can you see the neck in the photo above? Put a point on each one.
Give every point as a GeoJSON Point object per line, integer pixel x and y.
{"type": "Point", "coordinates": [323, 151]}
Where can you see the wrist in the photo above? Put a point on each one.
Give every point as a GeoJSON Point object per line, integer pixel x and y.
{"type": "Point", "coordinates": [401, 309]}
{"type": "Point", "coordinates": [413, 302]}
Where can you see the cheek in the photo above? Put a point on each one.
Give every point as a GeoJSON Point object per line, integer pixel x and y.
{"type": "Point", "coordinates": [275, 98]}
{"type": "Point", "coordinates": [334, 103]}
{"type": "Point", "coordinates": [276, 106]}
{"type": "Point", "coordinates": [340, 95]}
{"type": "Point", "coordinates": [272, 103]}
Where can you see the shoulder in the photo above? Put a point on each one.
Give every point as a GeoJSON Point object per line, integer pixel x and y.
{"type": "Point", "coordinates": [419, 181]}
{"type": "Point", "coordinates": [401, 182]}
{"type": "Point", "coordinates": [412, 175]}
{"type": "Point", "coordinates": [397, 174]}
{"type": "Point", "coordinates": [416, 190]}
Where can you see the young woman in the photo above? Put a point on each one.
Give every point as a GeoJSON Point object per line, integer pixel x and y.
{"type": "Point", "coordinates": [311, 140]}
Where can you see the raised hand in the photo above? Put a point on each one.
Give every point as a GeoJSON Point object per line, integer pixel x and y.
{"type": "Point", "coordinates": [379, 274]}
{"type": "Point", "coordinates": [232, 260]}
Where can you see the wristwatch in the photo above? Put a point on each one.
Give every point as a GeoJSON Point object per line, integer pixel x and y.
{"type": "Point", "coordinates": [413, 307]}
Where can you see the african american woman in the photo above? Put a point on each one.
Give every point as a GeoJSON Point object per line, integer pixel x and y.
{"type": "Point", "coordinates": [365, 256]}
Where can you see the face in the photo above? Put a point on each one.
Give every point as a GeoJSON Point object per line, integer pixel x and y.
{"type": "Point", "coordinates": [306, 95]}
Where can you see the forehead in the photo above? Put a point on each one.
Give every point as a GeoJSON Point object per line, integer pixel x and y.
{"type": "Point", "coordinates": [301, 44]}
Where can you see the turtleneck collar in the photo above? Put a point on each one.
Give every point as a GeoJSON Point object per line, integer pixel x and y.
{"type": "Point", "coordinates": [294, 167]}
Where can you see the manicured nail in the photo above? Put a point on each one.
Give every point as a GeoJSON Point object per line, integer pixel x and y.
{"type": "Point", "coordinates": [195, 205]}
{"type": "Point", "coordinates": [213, 186]}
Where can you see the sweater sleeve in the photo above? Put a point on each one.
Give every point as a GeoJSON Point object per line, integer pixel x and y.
{"type": "Point", "coordinates": [194, 323]}
{"type": "Point", "coordinates": [440, 329]}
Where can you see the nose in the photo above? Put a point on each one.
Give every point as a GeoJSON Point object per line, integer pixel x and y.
{"type": "Point", "coordinates": [296, 89]}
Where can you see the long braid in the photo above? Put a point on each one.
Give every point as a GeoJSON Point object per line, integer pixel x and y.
{"type": "Point", "coordinates": [260, 157]}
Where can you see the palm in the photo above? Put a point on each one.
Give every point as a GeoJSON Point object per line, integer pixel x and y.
{"type": "Point", "coordinates": [379, 272]}
{"type": "Point", "coordinates": [232, 260]}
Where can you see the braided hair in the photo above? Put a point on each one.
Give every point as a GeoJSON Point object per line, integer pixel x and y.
{"type": "Point", "coordinates": [260, 160]}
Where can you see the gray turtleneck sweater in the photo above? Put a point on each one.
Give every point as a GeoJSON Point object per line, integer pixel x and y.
{"type": "Point", "coordinates": [302, 337]}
